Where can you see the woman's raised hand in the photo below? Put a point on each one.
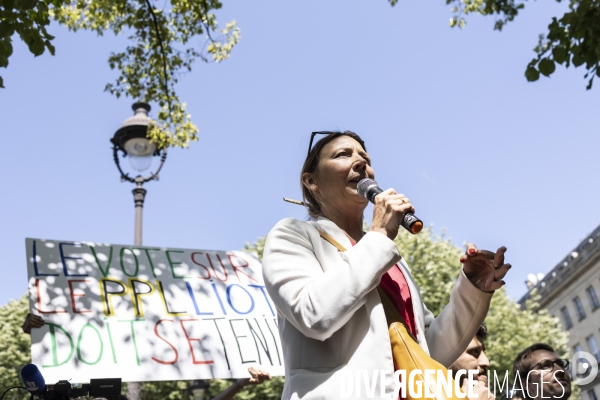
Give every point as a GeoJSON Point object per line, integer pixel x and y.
{"type": "Point", "coordinates": [388, 212]}
{"type": "Point", "coordinates": [485, 269]}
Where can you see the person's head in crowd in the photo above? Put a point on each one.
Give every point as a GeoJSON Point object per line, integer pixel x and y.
{"type": "Point", "coordinates": [543, 373]}
{"type": "Point", "coordinates": [473, 357]}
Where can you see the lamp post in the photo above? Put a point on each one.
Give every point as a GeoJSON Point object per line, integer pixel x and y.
{"type": "Point", "coordinates": [131, 140]}
{"type": "Point", "coordinates": [198, 389]}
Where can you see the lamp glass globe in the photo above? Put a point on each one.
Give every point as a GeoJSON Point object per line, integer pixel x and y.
{"type": "Point", "coordinates": [140, 163]}
{"type": "Point", "coordinates": [140, 152]}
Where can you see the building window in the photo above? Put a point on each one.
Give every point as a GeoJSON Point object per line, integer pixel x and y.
{"type": "Point", "coordinates": [592, 395]}
{"type": "Point", "coordinates": [566, 317]}
{"type": "Point", "coordinates": [591, 340]}
{"type": "Point", "coordinates": [579, 307]}
{"type": "Point", "coordinates": [576, 349]}
{"type": "Point", "coordinates": [593, 298]}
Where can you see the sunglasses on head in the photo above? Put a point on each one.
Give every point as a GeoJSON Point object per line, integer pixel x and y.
{"type": "Point", "coordinates": [312, 137]}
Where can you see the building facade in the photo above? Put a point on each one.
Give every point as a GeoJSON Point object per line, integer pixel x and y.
{"type": "Point", "coordinates": [571, 292]}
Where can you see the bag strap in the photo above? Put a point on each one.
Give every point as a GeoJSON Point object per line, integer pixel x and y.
{"type": "Point", "coordinates": [331, 240]}
{"type": "Point", "coordinates": [391, 312]}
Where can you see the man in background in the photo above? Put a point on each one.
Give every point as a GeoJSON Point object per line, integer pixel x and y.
{"type": "Point", "coordinates": [542, 373]}
{"type": "Point", "coordinates": [474, 358]}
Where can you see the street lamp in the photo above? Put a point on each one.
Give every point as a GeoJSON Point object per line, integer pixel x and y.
{"type": "Point", "coordinates": [131, 139]}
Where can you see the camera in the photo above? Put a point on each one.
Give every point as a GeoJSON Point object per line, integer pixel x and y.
{"type": "Point", "coordinates": [63, 390]}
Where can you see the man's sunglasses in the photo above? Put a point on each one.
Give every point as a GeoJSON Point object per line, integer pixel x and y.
{"type": "Point", "coordinates": [548, 365]}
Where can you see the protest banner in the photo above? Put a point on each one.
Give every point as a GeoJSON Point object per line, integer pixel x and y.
{"type": "Point", "coordinates": [148, 313]}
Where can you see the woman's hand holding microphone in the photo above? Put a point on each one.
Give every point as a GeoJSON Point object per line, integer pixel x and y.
{"type": "Point", "coordinates": [388, 212]}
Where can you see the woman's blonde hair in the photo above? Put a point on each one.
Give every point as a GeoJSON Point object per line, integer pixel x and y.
{"type": "Point", "coordinates": [311, 165]}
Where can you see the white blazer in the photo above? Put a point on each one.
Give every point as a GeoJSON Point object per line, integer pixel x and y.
{"type": "Point", "coordinates": [331, 320]}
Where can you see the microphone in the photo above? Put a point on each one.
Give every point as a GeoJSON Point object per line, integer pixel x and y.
{"type": "Point", "coordinates": [32, 379]}
{"type": "Point", "coordinates": [368, 189]}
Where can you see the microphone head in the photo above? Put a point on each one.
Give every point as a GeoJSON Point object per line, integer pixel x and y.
{"type": "Point", "coordinates": [32, 379]}
{"type": "Point", "coordinates": [363, 187]}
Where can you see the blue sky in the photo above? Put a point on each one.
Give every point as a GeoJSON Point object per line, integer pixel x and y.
{"type": "Point", "coordinates": [447, 115]}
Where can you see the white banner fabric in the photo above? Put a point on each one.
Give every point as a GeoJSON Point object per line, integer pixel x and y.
{"type": "Point", "coordinates": [149, 313]}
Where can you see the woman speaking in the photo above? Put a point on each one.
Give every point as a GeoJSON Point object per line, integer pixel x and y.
{"type": "Point", "coordinates": [331, 319]}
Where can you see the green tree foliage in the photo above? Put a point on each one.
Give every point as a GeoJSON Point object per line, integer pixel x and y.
{"type": "Point", "coordinates": [163, 45]}
{"type": "Point", "coordinates": [434, 264]}
{"type": "Point", "coordinates": [573, 39]}
{"type": "Point", "coordinates": [15, 347]}
{"type": "Point", "coordinates": [28, 19]}
{"type": "Point", "coordinates": [257, 248]}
